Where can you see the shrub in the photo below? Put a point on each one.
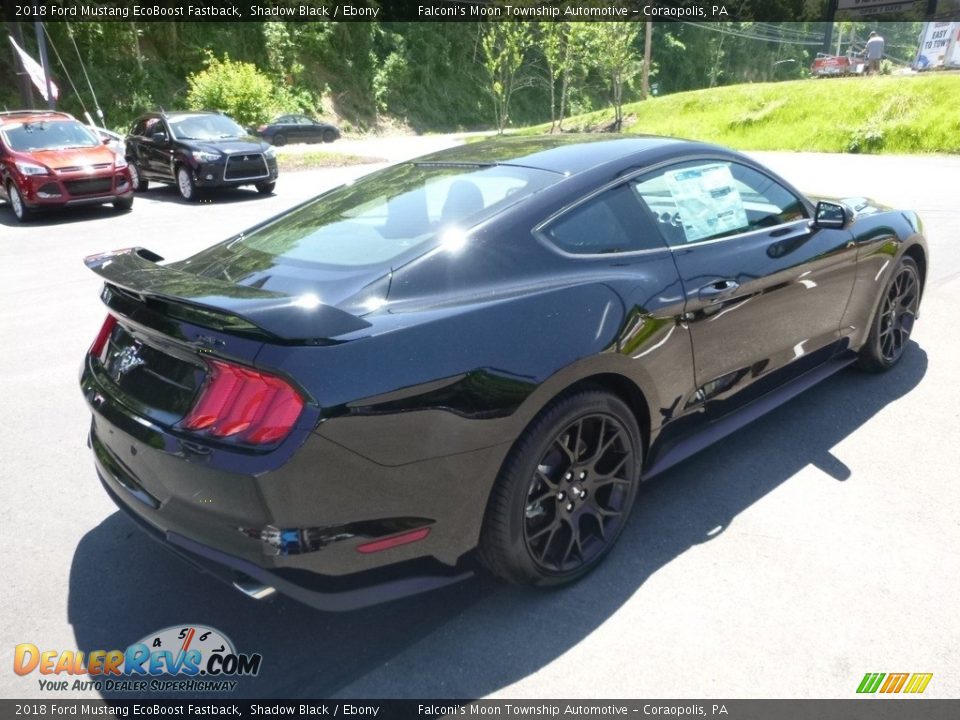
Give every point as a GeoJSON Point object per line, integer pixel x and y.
{"type": "Point", "coordinates": [236, 88]}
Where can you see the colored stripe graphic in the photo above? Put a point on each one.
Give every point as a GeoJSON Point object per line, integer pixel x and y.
{"type": "Point", "coordinates": [870, 682]}
{"type": "Point", "coordinates": [894, 682]}
{"type": "Point", "coordinates": [918, 682]}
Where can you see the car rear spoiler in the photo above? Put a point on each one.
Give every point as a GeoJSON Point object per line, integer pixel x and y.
{"type": "Point", "coordinates": [283, 316]}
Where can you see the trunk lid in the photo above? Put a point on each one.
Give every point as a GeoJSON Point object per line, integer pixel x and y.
{"type": "Point", "coordinates": [220, 304]}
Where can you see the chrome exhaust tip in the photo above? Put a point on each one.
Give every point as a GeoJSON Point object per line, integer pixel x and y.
{"type": "Point", "coordinates": [252, 588]}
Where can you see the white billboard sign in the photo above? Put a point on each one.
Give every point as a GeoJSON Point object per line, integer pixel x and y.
{"type": "Point", "coordinates": [934, 43]}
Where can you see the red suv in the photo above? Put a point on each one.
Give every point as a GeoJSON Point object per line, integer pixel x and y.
{"type": "Point", "coordinates": [49, 159]}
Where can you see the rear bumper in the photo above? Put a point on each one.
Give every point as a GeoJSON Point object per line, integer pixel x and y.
{"type": "Point", "coordinates": [323, 593]}
{"type": "Point", "coordinates": [200, 503]}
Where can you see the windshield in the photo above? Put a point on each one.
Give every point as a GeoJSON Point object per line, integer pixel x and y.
{"type": "Point", "coordinates": [48, 135]}
{"type": "Point", "coordinates": [205, 127]}
{"type": "Point", "coordinates": [388, 217]}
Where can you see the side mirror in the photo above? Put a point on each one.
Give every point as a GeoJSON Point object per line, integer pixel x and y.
{"type": "Point", "coordinates": [831, 215]}
{"type": "Point", "coordinates": [160, 138]}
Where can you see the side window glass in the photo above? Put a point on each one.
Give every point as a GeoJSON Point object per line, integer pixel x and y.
{"type": "Point", "coordinates": [612, 222]}
{"type": "Point", "coordinates": [138, 128]}
{"type": "Point", "coordinates": [700, 201]}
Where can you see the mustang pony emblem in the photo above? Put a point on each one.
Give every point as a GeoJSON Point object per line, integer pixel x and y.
{"type": "Point", "coordinates": [126, 360]}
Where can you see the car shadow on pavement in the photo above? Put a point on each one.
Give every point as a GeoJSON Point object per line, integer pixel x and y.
{"type": "Point", "coordinates": [60, 216]}
{"type": "Point", "coordinates": [475, 638]}
{"type": "Point", "coordinates": [205, 196]}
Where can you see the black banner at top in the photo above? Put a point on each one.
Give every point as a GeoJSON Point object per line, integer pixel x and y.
{"type": "Point", "coordinates": [467, 10]}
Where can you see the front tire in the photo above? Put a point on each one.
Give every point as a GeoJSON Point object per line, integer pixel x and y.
{"type": "Point", "coordinates": [279, 139]}
{"type": "Point", "coordinates": [20, 209]}
{"type": "Point", "coordinates": [265, 188]}
{"type": "Point", "coordinates": [329, 136]}
{"type": "Point", "coordinates": [123, 204]}
{"type": "Point", "coordinates": [564, 493]}
{"type": "Point", "coordinates": [894, 320]}
{"type": "Point", "coordinates": [136, 179]}
{"type": "Point", "coordinates": [186, 184]}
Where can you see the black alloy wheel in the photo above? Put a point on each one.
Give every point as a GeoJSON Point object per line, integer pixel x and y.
{"type": "Point", "coordinates": [565, 493]}
{"type": "Point", "coordinates": [279, 139]}
{"type": "Point", "coordinates": [329, 136]}
{"type": "Point", "coordinates": [895, 317]}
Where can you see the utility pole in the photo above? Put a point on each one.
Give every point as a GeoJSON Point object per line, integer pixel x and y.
{"type": "Point", "coordinates": [44, 62]}
{"type": "Point", "coordinates": [828, 33]}
{"type": "Point", "coordinates": [647, 52]}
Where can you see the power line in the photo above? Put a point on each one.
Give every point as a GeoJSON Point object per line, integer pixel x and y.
{"type": "Point", "coordinates": [96, 103]}
{"type": "Point", "coordinates": [758, 35]}
{"type": "Point", "coordinates": [65, 71]}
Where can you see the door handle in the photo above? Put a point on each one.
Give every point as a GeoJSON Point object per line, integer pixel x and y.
{"type": "Point", "coordinates": [718, 290]}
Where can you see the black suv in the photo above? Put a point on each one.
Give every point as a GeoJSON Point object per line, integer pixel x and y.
{"type": "Point", "coordinates": [195, 149]}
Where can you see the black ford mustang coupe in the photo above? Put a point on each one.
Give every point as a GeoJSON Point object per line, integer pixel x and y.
{"type": "Point", "coordinates": [472, 359]}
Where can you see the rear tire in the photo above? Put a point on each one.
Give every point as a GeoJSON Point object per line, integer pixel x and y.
{"type": "Point", "coordinates": [893, 323]}
{"type": "Point", "coordinates": [265, 188]}
{"type": "Point", "coordinates": [186, 184]}
{"type": "Point", "coordinates": [564, 493]}
{"type": "Point", "coordinates": [279, 139]}
{"type": "Point", "coordinates": [20, 209]}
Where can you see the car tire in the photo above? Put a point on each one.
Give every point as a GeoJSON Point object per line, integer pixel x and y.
{"type": "Point", "coordinates": [279, 139]}
{"type": "Point", "coordinates": [329, 136]}
{"type": "Point", "coordinates": [123, 204]}
{"type": "Point", "coordinates": [20, 209]}
{"type": "Point", "coordinates": [894, 320]}
{"type": "Point", "coordinates": [266, 188]}
{"type": "Point", "coordinates": [564, 493]}
{"type": "Point", "coordinates": [136, 178]}
{"type": "Point", "coordinates": [186, 184]}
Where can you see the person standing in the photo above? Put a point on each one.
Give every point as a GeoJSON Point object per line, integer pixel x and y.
{"type": "Point", "coordinates": [875, 45]}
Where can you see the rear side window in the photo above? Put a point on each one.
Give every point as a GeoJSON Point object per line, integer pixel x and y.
{"type": "Point", "coordinates": [612, 222]}
{"type": "Point", "coordinates": [390, 216]}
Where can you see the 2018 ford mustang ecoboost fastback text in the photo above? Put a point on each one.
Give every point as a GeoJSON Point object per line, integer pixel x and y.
{"type": "Point", "coordinates": [475, 356]}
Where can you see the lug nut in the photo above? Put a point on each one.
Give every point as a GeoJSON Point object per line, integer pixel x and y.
{"type": "Point", "coordinates": [569, 507]}
{"type": "Point", "coordinates": [568, 476]}
{"type": "Point", "coordinates": [583, 494]}
{"type": "Point", "coordinates": [583, 475]}
{"type": "Point", "coordinates": [561, 495]}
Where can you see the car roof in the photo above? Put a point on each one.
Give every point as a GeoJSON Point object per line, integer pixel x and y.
{"type": "Point", "coordinates": [177, 113]}
{"type": "Point", "coordinates": [568, 154]}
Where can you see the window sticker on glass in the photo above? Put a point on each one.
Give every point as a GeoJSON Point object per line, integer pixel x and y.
{"type": "Point", "coordinates": [708, 201]}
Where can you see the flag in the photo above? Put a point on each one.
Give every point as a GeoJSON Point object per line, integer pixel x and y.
{"type": "Point", "coordinates": [35, 71]}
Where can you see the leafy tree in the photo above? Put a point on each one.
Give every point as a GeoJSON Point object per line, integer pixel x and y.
{"type": "Point", "coordinates": [615, 56]}
{"type": "Point", "coordinates": [504, 45]}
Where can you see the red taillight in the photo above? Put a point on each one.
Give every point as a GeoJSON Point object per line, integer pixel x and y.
{"type": "Point", "coordinates": [101, 341]}
{"type": "Point", "coordinates": [394, 541]}
{"type": "Point", "coordinates": [245, 405]}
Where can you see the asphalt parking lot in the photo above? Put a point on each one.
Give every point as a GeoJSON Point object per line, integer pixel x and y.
{"type": "Point", "coordinates": [810, 548]}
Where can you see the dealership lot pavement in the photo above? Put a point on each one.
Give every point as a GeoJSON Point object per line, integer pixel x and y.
{"type": "Point", "coordinates": [812, 547]}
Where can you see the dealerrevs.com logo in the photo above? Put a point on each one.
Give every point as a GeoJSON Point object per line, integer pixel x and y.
{"type": "Point", "coordinates": [180, 658]}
